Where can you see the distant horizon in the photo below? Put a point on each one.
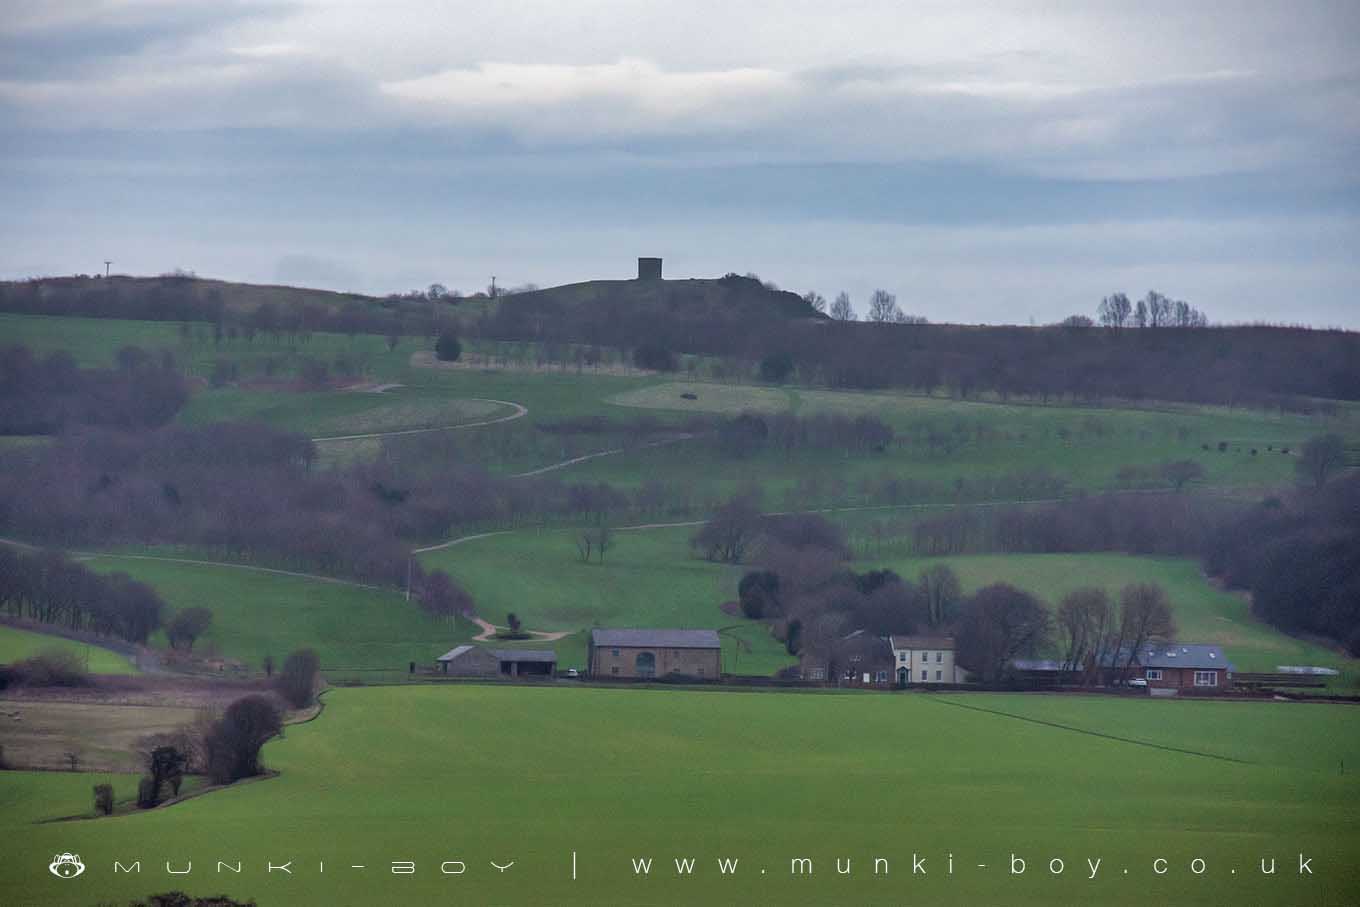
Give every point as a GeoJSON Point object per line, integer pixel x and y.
{"type": "Point", "coordinates": [991, 161]}
{"type": "Point", "coordinates": [512, 291]}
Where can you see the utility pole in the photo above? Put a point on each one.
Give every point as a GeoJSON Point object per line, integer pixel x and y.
{"type": "Point", "coordinates": [493, 286]}
{"type": "Point", "coordinates": [409, 559]}
{"type": "Point", "coordinates": [107, 262]}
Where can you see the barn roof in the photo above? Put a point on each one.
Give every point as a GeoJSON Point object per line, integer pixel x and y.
{"type": "Point", "coordinates": [455, 652]}
{"type": "Point", "coordinates": [523, 655]}
{"type": "Point", "coordinates": [657, 639]}
{"type": "Point", "coordinates": [1178, 655]}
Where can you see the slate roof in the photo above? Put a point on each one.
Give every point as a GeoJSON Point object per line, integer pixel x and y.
{"type": "Point", "coordinates": [657, 639]}
{"type": "Point", "coordinates": [523, 655]}
{"type": "Point", "coordinates": [455, 652]}
{"type": "Point", "coordinates": [922, 642]}
{"type": "Point", "coordinates": [1178, 655]}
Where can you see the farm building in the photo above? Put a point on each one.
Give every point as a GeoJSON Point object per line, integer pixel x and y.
{"type": "Point", "coordinates": [1171, 666]}
{"type": "Point", "coordinates": [925, 660]}
{"type": "Point", "coordinates": [475, 661]}
{"type": "Point", "coordinates": [858, 659]}
{"type": "Point", "coordinates": [1162, 666]}
{"type": "Point", "coordinates": [655, 653]}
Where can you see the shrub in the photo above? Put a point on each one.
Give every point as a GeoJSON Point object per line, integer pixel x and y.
{"type": "Point", "coordinates": [103, 799]}
{"type": "Point", "coordinates": [776, 368]}
{"type": "Point", "coordinates": [447, 348]}
{"type": "Point", "coordinates": [234, 743]}
{"type": "Point", "coordinates": [52, 668]}
{"type": "Point", "coordinates": [656, 357]}
{"type": "Point", "coordinates": [297, 680]}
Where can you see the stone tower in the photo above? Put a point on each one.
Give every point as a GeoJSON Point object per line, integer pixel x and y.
{"type": "Point", "coordinates": [649, 269]}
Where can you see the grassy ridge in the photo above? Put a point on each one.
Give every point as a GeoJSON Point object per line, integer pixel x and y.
{"type": "Point", "coordinates": [16, 645]}
{"type": "Point", "coordinates": [257, 614]}
{"type": "Point", "coordinates": [480, 774]}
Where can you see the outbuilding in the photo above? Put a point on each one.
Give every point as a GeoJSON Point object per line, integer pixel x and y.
{"type": "Point", "coordinates": [475, 661]}
{"type": "Point", "coordinates": [656, 653]}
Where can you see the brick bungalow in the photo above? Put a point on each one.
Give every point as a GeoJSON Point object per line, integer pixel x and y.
{"type": "Point", "coordinates": [1173, 666]}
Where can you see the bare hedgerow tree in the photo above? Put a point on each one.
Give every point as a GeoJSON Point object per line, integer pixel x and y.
{"type": "Point", "coordinates": [942, 593]}
{"type": "Point", "coordinates": [841, 309]}
{"type": "Point", "coordinates": [1114, 311]}
{"type": "Point", "coordinates": [585, 543]}
{"type": "Point", "coordinates": [882, 307]}
{"type": "Point", "coordinates": [297, 680]}
{"type": "Point", "coordinates": [187, 626]}
{"type": "Point", "coordinates": [1178, 472]}
{"type": "Point", "coordinates": [235, 741]}
{"type": "Point", "coordinates": [999, 624]}
{"type": "Point", "coordinates": [1320, 458]}
{"type": "Point", "coordinates": [1145, 615]}
{"type": "Point", "coordinates": [604, 539]}
{"type": "Point", "coordinates": [732, 530]}
{"type": "Point", "coordinates": [815, 300]}
{"type": "Point", "coordinates": [1082, 617]}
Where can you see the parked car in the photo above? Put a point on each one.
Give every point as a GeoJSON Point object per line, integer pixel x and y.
{"type": "Point", "coordinates": [1137, 682]}
{"type": "Point", "coordinates": [572, 672]}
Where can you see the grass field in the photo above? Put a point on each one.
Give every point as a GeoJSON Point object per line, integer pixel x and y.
{"type": "Point", "coordinates": [648, 580]}
{"type": "Point", "coordinates": [39, 733]}
{"type": "Point", "coordinates": [430, 775]}
{"type": "Point", "coordinates": [17, 644]}
{"type": "Point", "coordinates": [1204, 613]}
{"type": "Point", "coordinates": [257, 614]}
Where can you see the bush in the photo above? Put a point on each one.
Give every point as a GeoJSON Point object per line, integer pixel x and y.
{"type": "Point", "coordinates": [776, 368]}
{"type": "Point", "coordinates": [103, 799]}
{"type": "Point", "coordinates": [53, 668]}
{"type": "Point", "coordinates": [655, 357]}
{"type": "Point", "coordinates": [148, 793]}
{"type": "Point", "coordinates": [297, 680]}
{"type": "Point", "coordinates": [234, 743]}
{"type": "Point", "coordinates": [447, 348]}
{"type": "Point", "coordinates": [187, 626]}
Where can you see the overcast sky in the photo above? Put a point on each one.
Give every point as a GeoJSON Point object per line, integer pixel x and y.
{"type": "Point", "coordinates": [987, 162]}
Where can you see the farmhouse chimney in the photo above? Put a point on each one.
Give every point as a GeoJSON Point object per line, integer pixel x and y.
{"type": "Point", "coordinates": [649, 269]}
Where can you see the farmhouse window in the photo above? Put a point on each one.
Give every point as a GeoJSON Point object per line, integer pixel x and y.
{"type": "Point", "coordinates": [1154, 674]}
{"type": "Point", "coordinates": [925, 675]}
{"type": "Point", "coordinates": [882, 676]}
{"type": "Point", "coordinates": [614, 652]}
{"type": "Point", "coordinates": [614, 670]}
{"type": "Point", "coordinates": [1206, 678]}
{"type": "Point", "coordinates": [819, 673]}
{"type": "Point", "coordinates": [701, 672]}
{"type": "Point", "coordinates": [925, 656]}
{"type": "Point", "coordinates": [939, 657]}
{"type": "Point", "coordinates": [939, 675]}
{"type": "Point", "coordinates": [902, 656]}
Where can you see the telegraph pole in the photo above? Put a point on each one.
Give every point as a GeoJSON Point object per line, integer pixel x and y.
{"type": "Point", "coordinates": [493, 286]}
{"type": "Point", "coordinates": [107, 262]}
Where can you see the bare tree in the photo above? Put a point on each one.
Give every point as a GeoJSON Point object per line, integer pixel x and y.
{"type": "Point", "coordinates": [1145, 615]}
{"type": "Point", "coordinates": [733, 528]}
{"type": "Point", "coordinates": [1114, 311]}
{"type": "Point", "coordinates": [1178, 472]}
{"type": "Point", "coordinates": [585, 542]}
{"type": "Point", "coordinates": [815, 300]}
{"type": "Point", "coordinates": [882, 307]}
{"type": "Point", "coordinates": [841, 309]}
{"type": "Point", "coordinates": [604, 540]}
{"type": "Point", "coordinates": [940, 587]}
{"type": "Point", "coordinates": [1321, 457]}
{"type": "Point", "coordinates": [1082, 616]}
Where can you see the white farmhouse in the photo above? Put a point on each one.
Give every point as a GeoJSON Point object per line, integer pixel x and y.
{"type": "Point", "coordinates": [925, 660]}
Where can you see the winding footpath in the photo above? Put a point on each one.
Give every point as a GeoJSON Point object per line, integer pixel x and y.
{"type": "Point", "coordinates": [519, 413]}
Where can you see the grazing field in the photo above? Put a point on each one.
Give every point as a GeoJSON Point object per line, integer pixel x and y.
{"type": "Point", "coordinates": [648, 579]}
{"type": "Point", "coordinates": [258, 613]}
{"type": "Point", "coordinates": [327, 413]}
{"type": "Point", "coordinates": [1204, 613]}
{"type": "Point", "coordinates": [39, 733]}
{"type": "Point", "coordinates": [433, 775]}
{"type": "Point", "coordinates": [17, 644]}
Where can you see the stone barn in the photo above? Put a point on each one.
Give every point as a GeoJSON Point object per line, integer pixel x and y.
{"type": "Point", "coordinates": [656, 653]}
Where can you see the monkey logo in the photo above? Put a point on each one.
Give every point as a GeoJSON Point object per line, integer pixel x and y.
{"type": "Point", "coordinates": [66, 865]}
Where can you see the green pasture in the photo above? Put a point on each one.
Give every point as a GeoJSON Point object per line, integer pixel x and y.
{"type": "Point", "coordinates": [326, 413]}
{"type": "Point", "coordinates": [648, 579]}
{"type": "Point", "coordinates": [1204, 612]}
{"type": "Point", "coordinates": [258, 613]}
{"type": "Point", "coordinates": [17, 644]}
{"type": "Point", "coordinates": [530, 775]}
